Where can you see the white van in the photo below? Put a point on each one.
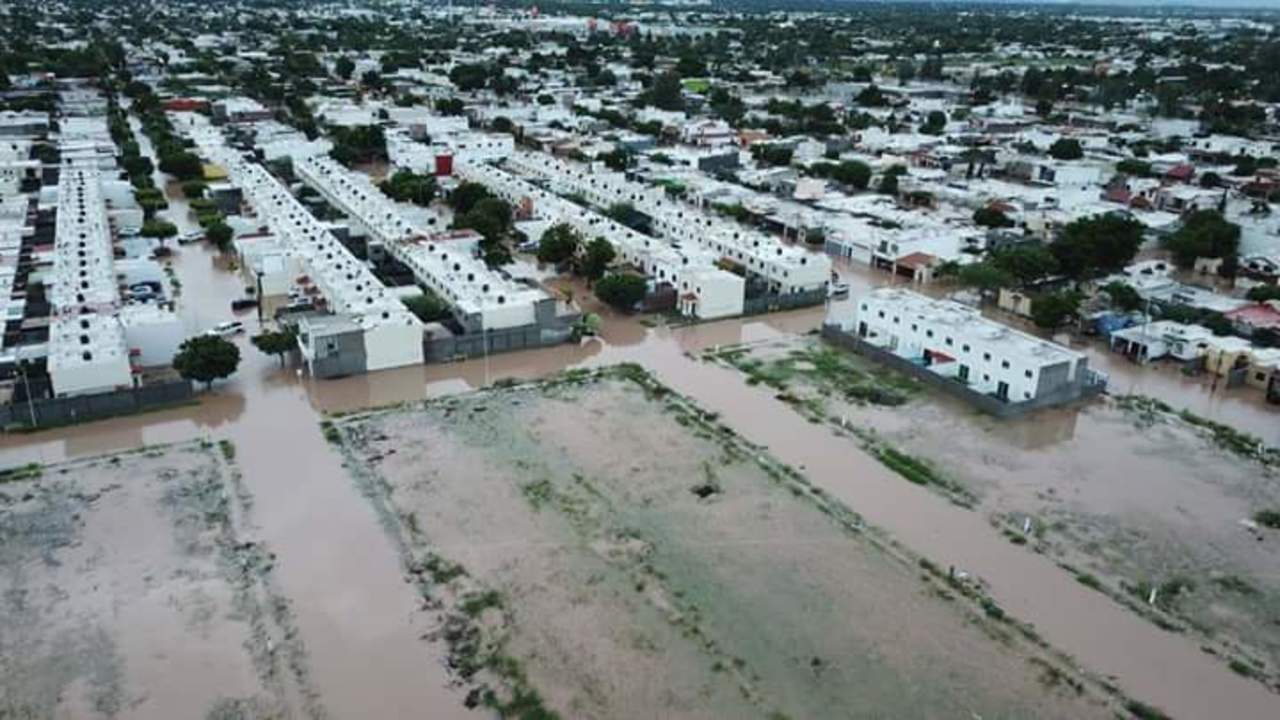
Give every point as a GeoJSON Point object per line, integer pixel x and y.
{"type": "Point", "coordinates": [226, 329]}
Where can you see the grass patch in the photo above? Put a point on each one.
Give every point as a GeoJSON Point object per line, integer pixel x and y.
{"type": "Point", "coordinates": [1143, 711]}
{"type": "Point", "coordinates": [30, 471]}
{"type": "Point", "coordinates": [331, 432]}
{"type": "Point", "coordinates": [1268, 518]}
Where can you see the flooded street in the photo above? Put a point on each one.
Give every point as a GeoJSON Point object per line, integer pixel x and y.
{"type": "Point", "coordinates": [361, 622]}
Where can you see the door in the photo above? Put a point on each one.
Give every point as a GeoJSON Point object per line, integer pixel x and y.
{"type": "Point", "coordinates": [964, 373]}
{"type": "Point", "coordinates": [1002, 390]}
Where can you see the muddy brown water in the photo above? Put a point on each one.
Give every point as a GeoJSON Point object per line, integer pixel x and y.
{"type": "Point", "coordinates": [360, 620]}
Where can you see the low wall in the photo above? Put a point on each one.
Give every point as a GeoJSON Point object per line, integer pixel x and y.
{"type": "Point", "coordinates": [83, 408]}
{"type": "Point", "coordinates": [465, 347]}
{"type": "Point", "coordinates": [986, 403]}
{"type": "Point", "coordinates": [777, 303]}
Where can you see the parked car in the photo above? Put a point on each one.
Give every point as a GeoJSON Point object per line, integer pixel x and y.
{"type": "Point", "coordinates": [243, 304]}
{"type": "Point", "coordinates": [193, 236]}
{"type": "Point", "coordinates": [226, 329]}
{"type": "Point", "coordinates": [838, 291]}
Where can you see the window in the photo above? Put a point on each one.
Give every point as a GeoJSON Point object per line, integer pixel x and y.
{"type": "Point", "coordinates": [1004, 364]}
{"type": "Point", "coordinates": [895, 319]}
{"type": "Point", "coordinates": [986, 356]}
{"type": "Point", "coordinates": [914, 327]}
{"type": "Point", "coordinates": [928, 333]}
{"type": "Point", "coordinates": [965, 347]}
{"type": "Point", "coordinates": [881, 313]}
{"type": "Point", "coordinates": [1026, 395]}
{"type": "Point", "coordinates": [1027, 373]}
{"type": "Point", "coordinates": [948, 341]}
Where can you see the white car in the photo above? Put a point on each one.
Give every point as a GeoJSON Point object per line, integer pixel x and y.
{"type": "Point", "coordinates": [838, 291]}
{"type": "Point", "coordinates": [226, 329]}
{"type": "Point", "coordinates": [190, 237]}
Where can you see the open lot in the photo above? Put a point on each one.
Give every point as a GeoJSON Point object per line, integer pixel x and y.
{"type": "Point", "coordinates": [1140, 502]}
{"type": "Point", "coordinates": [595, 546]}
{"type": "Point", "coordinates": [128, 588]}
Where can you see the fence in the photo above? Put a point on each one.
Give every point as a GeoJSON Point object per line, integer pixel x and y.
{"type": "Point", "coordinates": [790, 301]}
{"type": "Point", "coordinates": [1089, 384]}
{"type": "Point", "coordinates": [474, 345]}
{"type": "Point", "coordinates": [83, 408]}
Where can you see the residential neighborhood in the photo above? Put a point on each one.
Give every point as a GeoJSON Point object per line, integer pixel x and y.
{"type": "Point", "coordinates": [377, 358]}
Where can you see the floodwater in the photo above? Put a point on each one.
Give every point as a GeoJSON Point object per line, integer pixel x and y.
{"type": "Point", "coordinates": [361, 622]}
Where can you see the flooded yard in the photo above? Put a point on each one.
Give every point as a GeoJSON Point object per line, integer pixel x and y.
{"type": "Point", "coordinates": [129, 587]}
{"type": "Point", "coordinates": [594, 544]}
{"type": "Point", "coordinates": [1150, 506]}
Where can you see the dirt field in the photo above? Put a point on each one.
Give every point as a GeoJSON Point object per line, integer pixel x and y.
{"type": "Point", "coordinates": [129, 589]}
{"type": "Point", "coordinates": [595, 547]}
{"type": "Point", "coordinates": [1139, 502]}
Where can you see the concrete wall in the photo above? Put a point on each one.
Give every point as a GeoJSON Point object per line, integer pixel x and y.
{"type": "Point", "coordinates": [461, 347]}
{"type": "Point", "coordinates": [83, 408]}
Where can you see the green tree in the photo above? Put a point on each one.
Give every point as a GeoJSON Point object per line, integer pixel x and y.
{"type": "Point", "coordinates": [1066, 149]}
{"type": "Point", "coordinates": [1097, 245]}
{"type": "Point", "coordinates": [596, 258]}
{"type": "Point", "coordinates": [621, 291]}
{"type": "Point", "coordinates": [667, 92]}
{"type": "Point", "coordinates": [1264, 293]}
{"type": "Point", "coordinates": [1205, 234]}
{"type": "Point", "coordinates": [889, 181]}
{"type": "Point", "coordinates": [276, 342]}
{"type": "Point", "coordinates": [219, 233]}
{"type": "Point", "coordinates": [1026, 263]}
{"type": "Point", "coordinates": [1134, 167]}
{"type": "Point", "coordinates": [407, 186]}
{"type": "Point", "coordinates": [491, 217]}
{"type": "Point", "coordinates": [559, 243]}
{"type": "Point", "coordinates": [182, 165]}
{"type": "Point", "coordinates": [159, 229]}
{"type": "Point", "coordinates": [1051, 310]}
{"type": "Point", "coordinates": [344, 67]}
{"type": "Point", "coordinates": [465, 196]}
{"type": "Point", "coordinates": [854, 173]}
{"type": "Point", "coordinates": [193, 189]}
{"type": "Point", "coordinates": [991, 217]}
{"type": "Point", "coordinates": [1123, 297]}
{"type": "Point", "coordinates": [935, 123]}
{"type": "Point", "coordinates": [984, 276]}
{"type": "Point", "coordinates": [206, 358]}
{"type": "Point", "coordinates": [428, 307]}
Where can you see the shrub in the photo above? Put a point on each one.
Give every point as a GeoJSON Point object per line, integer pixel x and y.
{"type": "Point", "coordinates": [621, 291]}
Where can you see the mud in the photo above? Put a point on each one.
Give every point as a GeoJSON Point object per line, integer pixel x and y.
{"type": "Point", "coordinates": [626, 551]}
{"type": "Point", "coordinates": [1129, 498]}
{"type": "Point", "coordinates": [131, 588]}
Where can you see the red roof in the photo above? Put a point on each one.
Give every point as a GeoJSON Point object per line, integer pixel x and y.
{"type": "Point", "coordinates": [916, 260]}
{"type": "Point", "coordinates": [1181, 172]}
{"type": "Point", "coordinates": [1261, 315]}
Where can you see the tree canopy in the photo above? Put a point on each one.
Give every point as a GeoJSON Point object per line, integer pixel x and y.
{"type": "Point", "coordinates": [1097, 245]}
{"type": "Point", "coordinates": [206, 358]}
{"type": "Point", "coordinates": [1205, 234]}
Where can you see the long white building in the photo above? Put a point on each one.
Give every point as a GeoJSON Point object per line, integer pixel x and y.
{"type": "Point", "coordinates": [787, 269]}
{"type": "Point", "coordinates": [480, 297]}
{"type": "Point", "coordinates": [87, 351]}
{"type": "Point", "coordinates": [703, 289]}
{"type": "Point", "coordinates": [366, 328]}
